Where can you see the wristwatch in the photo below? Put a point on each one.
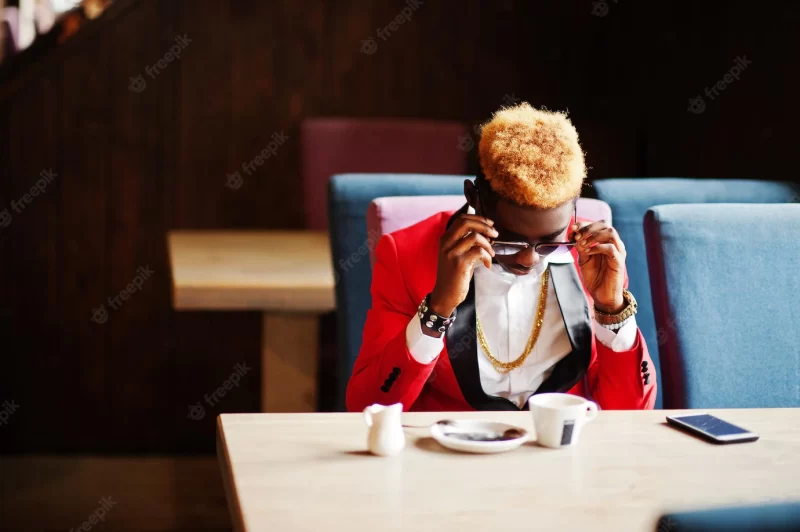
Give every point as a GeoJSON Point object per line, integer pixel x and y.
{"type": "Point", "coordinates": [431, 320]}
{"type": "Point", "coordinates": [618, 320]}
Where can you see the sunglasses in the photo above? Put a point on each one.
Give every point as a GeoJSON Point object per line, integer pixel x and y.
{"type": "Point", "coordinates": [506, 250]}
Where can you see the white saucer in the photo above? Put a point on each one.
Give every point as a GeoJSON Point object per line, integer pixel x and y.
{"type": "Point", "coordinates": [439, 433]}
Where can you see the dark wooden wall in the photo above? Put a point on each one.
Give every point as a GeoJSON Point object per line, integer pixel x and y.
{"type": "Point", "coordinates": [132, 165]}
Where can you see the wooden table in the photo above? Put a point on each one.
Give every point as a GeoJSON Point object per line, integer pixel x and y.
{"type": "Point", "coordinates": [311, 472]}
{"type": "Point", "coordinates": [287, 275]}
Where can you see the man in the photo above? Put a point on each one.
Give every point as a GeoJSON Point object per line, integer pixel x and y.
{"type": "Point", "coordinates": [510, 296]}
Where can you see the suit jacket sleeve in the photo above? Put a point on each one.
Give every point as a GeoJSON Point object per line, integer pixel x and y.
{"type": "Point", "coordinates": [385, 372]}
{"type": "Point", "coordinates": [616, 379]}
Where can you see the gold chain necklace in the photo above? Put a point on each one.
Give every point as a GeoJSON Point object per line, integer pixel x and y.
{"type": "Point", "coordinates": [507, 367]}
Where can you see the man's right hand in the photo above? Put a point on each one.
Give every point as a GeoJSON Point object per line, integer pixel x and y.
{"type": "Point", "coordinates": [462, 247]}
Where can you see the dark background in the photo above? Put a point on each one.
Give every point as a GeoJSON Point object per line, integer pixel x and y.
{"type": "Point", "coordinates": [131, 166]}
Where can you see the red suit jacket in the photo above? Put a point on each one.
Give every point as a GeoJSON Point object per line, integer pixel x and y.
{"type": "Point", "coordinates": [386, 373]}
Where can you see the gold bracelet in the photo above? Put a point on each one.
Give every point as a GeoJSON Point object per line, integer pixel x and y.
{"type": "Point", "coordinates": [605, 318]}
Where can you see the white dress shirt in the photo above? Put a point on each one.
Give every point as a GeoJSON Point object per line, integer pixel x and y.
{"type": "Point", "coordinates": [506, 305]}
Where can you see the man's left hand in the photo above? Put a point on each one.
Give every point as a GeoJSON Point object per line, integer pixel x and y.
{"type": "Point", "coordinates": [601, 255]}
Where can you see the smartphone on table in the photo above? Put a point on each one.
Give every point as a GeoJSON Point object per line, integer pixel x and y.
{"type": "Point", "coordinates": [712, 428]}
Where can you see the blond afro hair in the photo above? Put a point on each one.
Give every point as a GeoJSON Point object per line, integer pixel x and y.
{"type": "Point", "coordinates": [532, 157]}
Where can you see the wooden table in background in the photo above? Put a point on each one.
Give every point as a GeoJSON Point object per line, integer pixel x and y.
{"type": "Point", "coordinates": [287, 275]}
{"type": "Point", "coordinates": [311, 472]}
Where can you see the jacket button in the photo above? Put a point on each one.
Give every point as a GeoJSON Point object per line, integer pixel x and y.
{"type": "Point", "coordinates": [385, 389]}
{"type": "Point", "coordinates": [396, 371]}
{"type": "Point", "coordinates": [647, 375]}
{"type": "Point", "coordinates": [644, 365]}
{"type": "Point", "coordinates": [647, 380]}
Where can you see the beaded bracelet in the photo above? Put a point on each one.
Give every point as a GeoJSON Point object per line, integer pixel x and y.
{"type": "Point", "coordinates": [616, 326]}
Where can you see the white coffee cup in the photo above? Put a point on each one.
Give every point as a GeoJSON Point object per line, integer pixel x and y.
{"type": "Point", "coordinates": [559, 417]}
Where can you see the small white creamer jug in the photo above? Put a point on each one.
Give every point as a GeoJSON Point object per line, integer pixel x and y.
{"type": "Point", "coordinates": [385, 426]}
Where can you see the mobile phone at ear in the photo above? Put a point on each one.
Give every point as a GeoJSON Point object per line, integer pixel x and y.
{"type": "Point", "coordinates": [712, 428]}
